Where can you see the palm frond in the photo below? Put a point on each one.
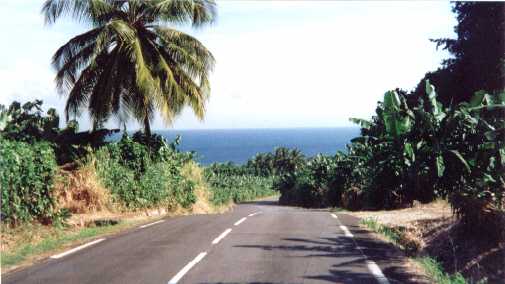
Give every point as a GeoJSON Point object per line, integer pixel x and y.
{"type": "Point", "coordinates": [96, 12]}
{"type": "Point", "coordinates": [197, 12]}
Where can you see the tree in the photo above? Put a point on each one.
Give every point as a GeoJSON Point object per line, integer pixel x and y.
{"type": "Point", "coordinates": [478, 52]}
{"type": "Point", "coordinates": [129, 64]}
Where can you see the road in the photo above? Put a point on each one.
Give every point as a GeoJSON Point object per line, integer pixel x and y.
{"type": "Point", "coordinates": [258, 242]}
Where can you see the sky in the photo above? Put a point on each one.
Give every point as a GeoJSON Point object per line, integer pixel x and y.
{"type": "Point", "coordinates": [279, 64]}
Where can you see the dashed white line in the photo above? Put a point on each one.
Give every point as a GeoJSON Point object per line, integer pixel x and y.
{"type": "Point", "coordinates": [76, 249]}
{"type": "Point", "coordinates": [240, 221]}
{"type": "Point", "coordinates": [223, 234]}
{"type": "Point", "coordinates": [334, 216]}
{"type": "Point", "coordinates": [153, 223]}
{"type": "Point", "coordinates": [186, 268]}
{"type": "Point", "coordinates": [255, 213]}
{"type": "Point", "coordinates": [377, 272]}
{"type": "Point", "coordinates": [347, 233]}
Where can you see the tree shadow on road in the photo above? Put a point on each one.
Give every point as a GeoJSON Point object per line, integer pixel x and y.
{"type": "Point", "coordinates": [349, 262]}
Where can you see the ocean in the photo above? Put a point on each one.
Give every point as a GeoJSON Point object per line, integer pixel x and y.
{"type": "Point", "coordinates": [239, 145]}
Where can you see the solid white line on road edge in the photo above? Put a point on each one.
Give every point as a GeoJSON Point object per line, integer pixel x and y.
{"type": "Point", "coordinates": [186, 268]}
{"type": "Point", "coordinates": [371, 265]}
{"type": "Point", "coordinates": [240, 221]}
{"type": "Point", "coordinates": [347, 233]}
{"type": "Point", "coordinates": [255, 213]}
{"type": "Point", "coordinates": [223, 234]}
{"type": "Point", "coordinates": [334, 216]}
{"type": "Point", "coordinates": [377, 272]}
{"type": "Point", "coordinates": [153, 223]}
{"type": "Point", "coordinates": [56, 256]}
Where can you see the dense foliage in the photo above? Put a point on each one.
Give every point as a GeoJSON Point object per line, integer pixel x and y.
{"type": "Point", "coordinates": [26, 179]}
{"type": "Point", "coordinates": [478, 53]}
{"type": "Point", "coordinates": [139, 171]}
{"type": "Point", "coordinates": [27, 123]}
{"type": "Point", "coordinates": [141, 176]}
{"type": "Point", "coordinates": [415, 151]}
{"type": "Point", "coordinates": [238, 188]}
{"type": "Point", "coordinates": [230, 182]}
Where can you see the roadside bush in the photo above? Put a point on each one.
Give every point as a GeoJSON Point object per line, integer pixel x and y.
{"type": "Point", "coordinates": [281, 161]}
{"type": "Point", "coordinates": [319, 183]}
{"type": "Point", "coordinates": [229, 183]}
{"type": "Point", "coordinates": [26, 178]}
{"type": "Point", "coordinates": [29, 124]}
{"type": "Point", "coordinates": [418, 151]}
{"type": "Point", "coordinates": [141, 177]}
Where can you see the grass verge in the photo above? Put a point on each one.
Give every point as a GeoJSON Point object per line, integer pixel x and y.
{"type": "Point", "coordinates": [431, 267]}
{"type": "Point", "coordinates": [37, 241]}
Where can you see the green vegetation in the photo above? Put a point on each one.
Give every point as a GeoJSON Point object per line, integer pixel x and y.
{"type": "Point", "coordinates": [130, 63]}
{"type": "Point", "coordinates": [139, 176]}
{"type": "Point", "coordinates": [26, 180]}
{"type": "Point", "coordinates": [229, 183]}
{"type": "Point", "coordinates": [53, 238]}
{"type": "Point", "coordinates": [417, 151]}
{"type": "Point", "coordinates": [27, 123]}
{"type": "Point", "coordinates": [477, 55]}
{"type": "Point", "coordinates": [139, 171]}
{"type": "Point", "coordinates": [437, 274]}
{"type": "Point", "coordinates": [432, 267]}
{"type": "Point", "coordinates": [390, 233]}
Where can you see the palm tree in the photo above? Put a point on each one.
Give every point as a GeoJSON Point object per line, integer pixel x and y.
{"type": "Point", "coordinates": [129, 64]}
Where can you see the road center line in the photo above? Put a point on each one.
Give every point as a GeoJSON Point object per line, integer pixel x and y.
{"type": "Point", "coordinates": [186, 268]}
{"type": "Point", "coordinates": [334, 216]}
{"type": "Point", "coordinates": [377, 272]}
{"type": "Point", "coordinates": [76, 249]}
{"type": "Point", "coordinates": [153, 223]}
{"type": "Point", "coordinates": [240, 221]}
{"type": "Point", "coordinates": [255, 213]}
{"type": "Point", "coordinates": [223, 234]}
{"type": "Point", "coordinates": [347, 233]}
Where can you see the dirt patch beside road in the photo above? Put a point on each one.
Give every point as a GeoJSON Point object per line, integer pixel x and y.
{"type": "Point", "coordinates": [431, 230]}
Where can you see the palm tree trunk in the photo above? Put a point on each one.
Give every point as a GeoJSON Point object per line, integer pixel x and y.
{"type": "Point", "coordinates": [147, 127]}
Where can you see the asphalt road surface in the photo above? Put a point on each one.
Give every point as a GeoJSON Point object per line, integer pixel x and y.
{"type": "Point", "coordinates": [258, 242]}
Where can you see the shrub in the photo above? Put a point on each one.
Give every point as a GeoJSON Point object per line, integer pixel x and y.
{"type": "Point", "coordinates": [416, 151]}
{"type": "Point", "coordinates": [29, 124]}
{"type": "Point", "coordinates": [282, 161]}
{"type": "Point", "coordinates": [142, 177]}
{"type": "Point", "coordinates": [319, 183]}
{"type": "Point", "coordinates": [229, 182]}
{"type": "Point", "coordinates": [26, 178]}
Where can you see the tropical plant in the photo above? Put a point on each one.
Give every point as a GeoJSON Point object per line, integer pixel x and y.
{"type": "Point", "coordinates": [26, 177]}
{"type": "Point", "coordinates": [130, 63]}
{"type": "Point", "coordinates": [282, 160]}
{"type": "Point", "coordinates": [141, 177]}
{"type": "Point", "coordinates": [477, 59]}
{"type": "Point", "coordinates": [26, 122]}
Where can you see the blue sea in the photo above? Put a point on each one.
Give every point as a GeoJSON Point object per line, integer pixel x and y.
{"type": "Point", "coordinates": [239, 145]}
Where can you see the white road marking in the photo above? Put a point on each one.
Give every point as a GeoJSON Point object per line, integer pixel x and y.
{"type": "Point", "coordinates": [153, 223]}
{"type": "Point", "coordinates": [240, 221]}
{"type": "Point", "coordinates": [334, 216]}
{"type": "Point", "coordinates": [186, 268]}
{"type": "Point", "coordinates": [255, 213]}
{"type": "Point", "coordinates": [223, 234]}
{"type": "Point", "coordinates": [76, 249]}
{"type": "Point", "coordinates": [371, 265]}
{"type": "Point", "coordinates": [377, 272]}
{"type": "Point", "coordinates": [347, 233]}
